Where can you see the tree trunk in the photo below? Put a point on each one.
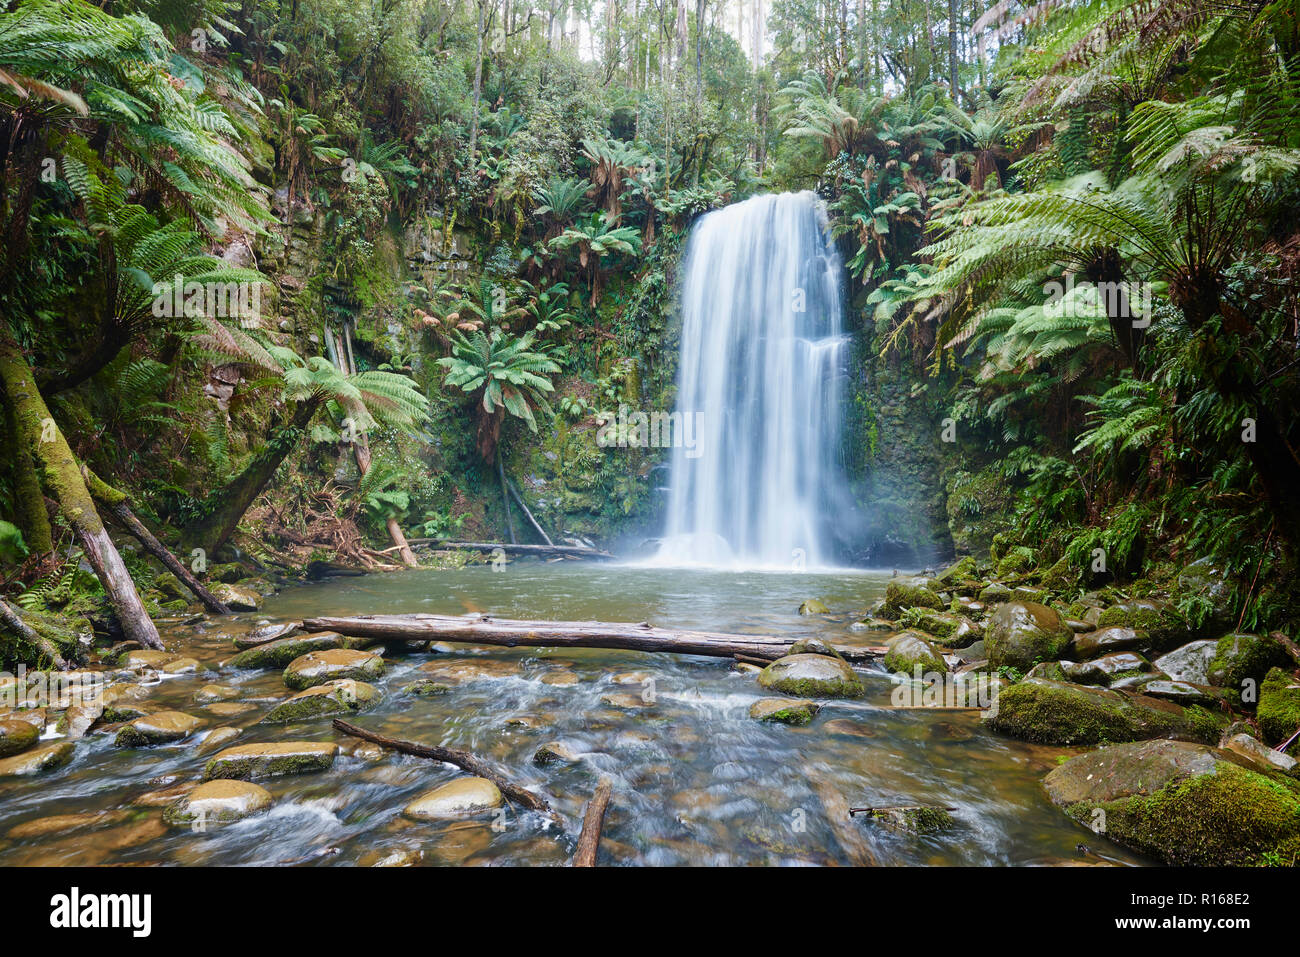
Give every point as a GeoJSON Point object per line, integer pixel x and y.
{"type": "Point", "coordinates": [478, 84]}
{"type": "Point", "coordinates": [29, 502]}
{"type": "Point", "coordinates": [505, 498]}
{"type": "Point", "coordinates": [235, 498]}
{"type": "Point", "coordinates": [37, 430]}
{"type": "Point", "coordinates": [10, 618]}
{"type": "Point", "coordinates": [952, 47]}
{"type": "Point", "coordinates": [592, 822]}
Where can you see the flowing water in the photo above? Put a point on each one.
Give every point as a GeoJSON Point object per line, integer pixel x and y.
{"type": "Point", "coordinates": [696, 780]}
{"type": "Point", "coordinates": [761, 370]}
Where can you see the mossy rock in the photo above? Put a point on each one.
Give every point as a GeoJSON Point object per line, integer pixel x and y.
{"type": "Point", "coordinates": [1018, 560]}
{"type": "Point", "coordinates": [912, 592]}
{"type": "Point", "coordinates": [956, 631]}
{"type": "Point", "coordinates": [814, 606]}
{"type": "Point", "coordinates": [218, 802]}
{"type": "Point", "coordinates": [159, 727]}
{"type": "Point", "coordinates": [318, 667]}
{"type": "Point", "coordinates": [344, 696]}
{"type": "Point", "coordinates": [281, 651]}
{"type": "Point", "coordinates": [171, 588]}
{"type": "Point", "coordinates": [805, 646]}
{"type": "Point", "coordinates": [1278, 713]}
{"type": "Point", "coordinates": [963, 570]}
{"type": "Point", "coordinates": [784, 711]}
{"type": "Point", "coordinates": [1054, 712]}
{"type": "Point", "coordinates": [811, 676]}
{"type": "Point", "coordinates": [1021, 634]}
{"type": "Point", "coordinates": [1157, 618]}
{"type": "Point", "coordinates": [1239, 658]}
{"type": "Point", "coordinates": [915, 820]}
{"type": "Point", "coordinates": [16, 736]}
{"type": "Point", "coordinates": [250, 761]}
{"type": "Point", "coordinates": [1107, 668]}
{"type": "Point", "coordinates": [994, 593]}
{"type": "Point", "coordinates": [1107, 641]}
{"type": "Point", "coordinates": [1185, 804]}
{"type": "Point", "coordinates": [910, 650]}
{"type": "Point", "coordinates": [1204, 584]}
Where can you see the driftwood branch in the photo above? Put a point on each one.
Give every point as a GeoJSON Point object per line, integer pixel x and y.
{"type": "Point", "coordinates": [122, 512]}
{"type": "Point", "coordinates": [510, 633]}
{"type": "Point", "coordinates": [528, 514]}
{"type": "Point", "coordinates": [592, 822]}
{"type": "Point", "coordinates": [462, 759]}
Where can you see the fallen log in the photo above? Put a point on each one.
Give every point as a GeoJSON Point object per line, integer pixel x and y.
{"type": "Point", "coordinates": [566, 551]}
{"type": "Point", "coordinates": [10, 618]}
{"type": "Point", "coordinates": [462, 759]}
{"type": "Point", "coordinates": [592, 822]}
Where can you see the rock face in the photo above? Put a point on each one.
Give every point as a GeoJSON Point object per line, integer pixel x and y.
{"type": "Point", "coordinates": [161, 727]}
{"type": "Point", "coordinates": [48, 757]}
{"type": "Point", "coordinates": [218, 802]}
{"type": "Point", "coordinates": [1279, 706]}
{"type": "Point", "coordinates": [784, 711]}
{"type": "Point", "coordinates": [343, 696]}
{"type": "Point", "coordinates": [460, 798]}
{"type": "Point", "coordinates": [1189, 663]}
{"type": "Point", "coordinates": [279, 653]}
{"type": "Point", "coordinates": [1021, 634]}
{"type": "Point", "coordinates": [811, 676]}
{"type": "Point", "coordinates": [1186, 804]}
{"type": "Point", "coordinates": [318, 667]}
{"type": "Point", "coordinates": [1105, 641]}
{"type": "Point", "coordinates": [1053, 712]}
{"type": "Point", "coordinates": [16, 736]}
{"type": "Point", "coordinates": [249, 761]}
{"type": "Point", "coordinates": [910, 650]}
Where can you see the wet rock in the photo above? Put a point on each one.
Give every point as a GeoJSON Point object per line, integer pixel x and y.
{"type": "Point", "coordinates": [872, 624]}
{"type": "Point", "coordinates": [1104, 670]}
{"type": "Point", "coordinates": [1185, 804]}
{"type": "Point", "coordinates": [427, 688]}
{"type": "Point", "coordinates": [460, 798]}
{"type": "Point", "coordinates": [402, 857]}
{"type": "Point", "coordinates": [814, 607]}
{"type": "Point", "coordinates": [784, 711]}
{"type": "Point", "coordinates": [282, 651]}
{"type": "Point", "coordinates": [1184, 692]}
{"type": "Point", "coordinates": [962, 570]}
{"type": "Point", "coordinates": [266, 633]}
{"type": "Point", "coordinates": [229, 709]}
{"type": "Point", "coordinates": [250, 761]}
{"type": "Point", "coordinates": [1104, 641]}
{"type": "Point", "coordinates": [632, 678]}
{"type": "Point", "coordinates": [813, 646]}
{"type": "Point", "coordinates": [218, 802]}
{"type": "Point", "coordinates": [61, 824]}
{"type": "Point", "coordinates": [38, 718]}
{"type": "Point", "coordinates": [161, 727]}
{"type": "Point", "coordinates": [165, 797]}
{"type": "Point", "coordinates": [1239, 658]}
{"type": "Point", "coordinates": [954, 630]}
{"type": "Point", "coordinates": [37, 760]}
{"type": "Point", "coordinates": [561, 678]}
{"type": "Point", "coordinates": [147, 658]}
{"type": "Point", "coordinates": [910, 650]}
{"type": "Point", "coordinates": [557, 752]}
{"type": "Point", "coordinates": [1021, 634]}
{"type": "Point", "coordinates": [238, 598]}
{"type": "Point", "coordinates": [181, 666]}
{"type": "Point", "coordinates": [79, 718]}
{"type": "Point", "coordinates": [1017, 560]}
{"type": "Point", "coordinates": [1189, 663]}
{"type": "Point", "coordinates": [915, 820]}
{"type": "Point", "coordinates": [1054, 712]}
{"type": "Point", "coordinates": [217, 739]}
{"type": "Point", "coordinates": [848, 728]}
{"type": "Point", "coordinates": [627, 702]}
{"type": "Point", "coordinates": [1207, 582]}
{"type": "Point", "coordinates": [994, 593]}
{"type": "Point", "coordinates": [811, 676]}
{"type": "Point", "coordinates": [1278, 713]}
{"type": "Point", "coordinates": [465, 671]}
{"type": "Point", "coordinates": [911, 592]}
{"type": "Point", "coordinates": [1258, 753]}
{"type": "Point", "coordinates": [344, 696]}
{"type": "Point", "coordinates": [210, 693]}
{"type": "Point", "coordinates": [16, 736]}
{"type": "Point", "coordinates": [1159, 619]}
{"type": "Point", "coordinates": [528, 721]}
{"type": "Point", "coordinates": [318, 667]}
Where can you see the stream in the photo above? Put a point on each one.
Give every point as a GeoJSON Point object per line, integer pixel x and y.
{"type": "Point", "coordinates": [696, 780]}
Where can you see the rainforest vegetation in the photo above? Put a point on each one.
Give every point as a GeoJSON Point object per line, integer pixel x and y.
{"type": "Point", "coordinates": [445, 234]}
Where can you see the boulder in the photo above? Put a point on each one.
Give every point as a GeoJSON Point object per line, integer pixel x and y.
{"type": "Point", "coordinates": [1055, 712]}
{"type": "Point", "coordinates": [1258, 753]}
{"type": "Point", "coordinates": [1107, 668]}
{"type": "Point", "coordinates": [814, 607]}
{"type": "Point", "coordinates": [557, 752]}
{"type": "Point", "coordinates": [282, 651]}
{"type": "Point", "coordinates": [318, 667]}
{"type": "Point", "coordinates": [218, 802]}
{"type": "Point", "coordinates": [250, 761]}
{"type": "Point", "coordinates": [344, 696]}
{"type": "Point", "coordinates": [216, 739]}
{"type": "Point", "coordinates": [1184, 692]}
{"type": "Point", "coordinates": [1191, 662]}
{"type": "Point", "coordinates": [460, 798]}
{"type": "Point", "coordinates": [1185, 804]}
{"type": "Point", "coordinates": [1278, 713]}
{"type": "Point", "coordinates": [161, 727]}
{"type": "Point", "coordinates": [1104, 641]}
{"type": "Point", "coordinates": [811, 676]}
{"type": "Point", "coordinates": [994, 593]}
{"type": "Point", "coordinates": [1157, 618]}
{"type": "Point", "coordinates": [911, 592]}
{"type": "Point", "coordinates": [16, 736]}
{"type": "Point", "coordinates": [237, 598]}
{"type": "Point", "coordinates": [812, 646]}
{"type": "Point", "coordinates": [48, 757]}
{"type": "Point", "coordinates": [910, 650]}
{"type": "Point", "coordinates": [211, 693]}
{"type": "Point", "coordinates": [1239, 658]}
{"type": "Point", "coordinates": [784, 711]}
{"type": "Point", "coordinates": [462, 671]}
{"type": "Point", "coordinates": [955, 630]}
{"type": "Point", "coordinates": [265, 633]}
{"type": "Point", "coordinates": [1021, 634]}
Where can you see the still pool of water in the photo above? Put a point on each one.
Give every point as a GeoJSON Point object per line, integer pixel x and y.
{"type": "Point", "coordinates": [696, 781]}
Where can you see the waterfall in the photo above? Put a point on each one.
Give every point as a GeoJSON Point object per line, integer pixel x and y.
{"type": "Point", "coordinates": [761, 371]}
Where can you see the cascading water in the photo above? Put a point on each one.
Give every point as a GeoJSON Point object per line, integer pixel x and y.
{"type": "Point", "coordinates": [761, 373]}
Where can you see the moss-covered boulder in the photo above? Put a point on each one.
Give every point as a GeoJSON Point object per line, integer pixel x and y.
{"type": "Point", "coordinates": [956, 631]}
{"type": "Point", "coordinates": [994, 593]}
{"type": "Point", "coordinates": [962, 570]}
{"type": "Point", "coordinates": [38, 760]}
{"type": "Point", "coordinates": [814, 606]}
{"type": "Point", "coordinates": [344, 696]}
{"type": "Point", "coordinates": [1204, 585]}
{"type": "Point", "coordinates": [1055, 712]}
{"type": "Point", "coordinates": [784, 711]}
{"type": "Point", "coordinates": [266, 633]}
{"type": "Point", "coordinates": [1185, 804]}
{"type": "Point", "coordinates": [238, 598]}
{"type": "Point", "coordinates": [247, 762]}
{"type": "Point", "coordinates": [811, 676]}
{"type": "Point", "coordinates": [1021, 634]}
{"type": "Point", "coordinates": [804, 646]}
{"type": "Point", "coordinates": [1278, 713]}
{"type": "Point", "coordinates": [1106, 641]}
{"type": "Point", "coordinates": [1159, 619]}
{"type": "Point", "coordinates": [160, 727]}
{"type": "Point", "coordinates": [1240, 658]}
{"type": "Point", "coordinates": [1107, 668]}
{"type": "Point", "coordinates": [16, 736]}
{"type": "Point", "coordinates": [282, 651]}
{"type": "Point", "coordinates": [1018, 560]}
{"type": "Point", "coordinates": [318, 667]}
{"type": "Point", "coordinates": [910, 592]}
{"type": "Point", "coordinates": [910, 650]}
{"type": "Point", "coordinates": [218, 802]}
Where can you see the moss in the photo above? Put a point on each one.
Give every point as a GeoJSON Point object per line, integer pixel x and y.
{"type": "Point", "coordinates": [1157, 618]}
{"type": "Point", "coordinates": [1278, 713]}
{"type": "Point", "coordinates": [1051, 712]}
{"type": "Point", "coordinates": [911, 650]}
{"type": "Point", "coordinates": [1233, 817]}
{"type": "Point", "coordinates": [1239, 658]}
{"type": "Point", "coordinates": [1017, 561]}
{"type": "Point", "coordinates": [903, 593]}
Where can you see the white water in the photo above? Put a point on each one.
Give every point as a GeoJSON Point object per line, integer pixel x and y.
{"type": "Point", "coordinates": [762, 356]}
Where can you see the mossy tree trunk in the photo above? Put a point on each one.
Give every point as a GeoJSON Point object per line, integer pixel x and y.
{"type": "Point", "coordinates": [37, 435]}
{"type": "Point", "coordinates": [235, 498]}
{"type": "Point", "coordinates": [29, 501]}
